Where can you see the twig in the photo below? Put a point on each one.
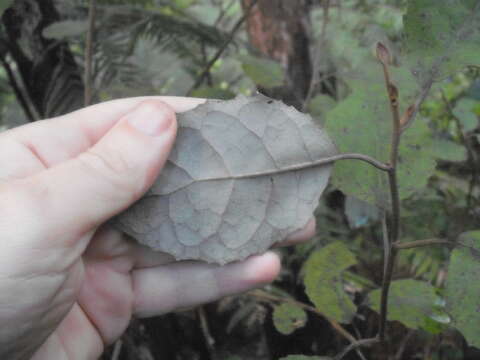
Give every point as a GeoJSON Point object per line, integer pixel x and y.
{"type": "Point", "coordinates": [117, 350]}
{"type": "Point", "coordinates": [421, 98]}
{"type": "Point", "coordinates": [220, 51]}
{"type": "Point", "coordinates": [384, 57]}
{"type": "Point", "coordinates": [403, 345]}
{"type": "Point", "coordinates": [205, 329]}
{"type": "Point", "coordinates": [470, 151]}
{"type": "Point", "coordinates": [263, 295]}
{"type": "Point", "coordinates": [422, 243]}
{"type": "Point", "coordinates": [89, 52]}
{"type": "Point", "coordinates": [428, 242]}
{"type": "Point", "coordinates": [223, 12]}
{"type": "Point", "coordinates": [355, 346]}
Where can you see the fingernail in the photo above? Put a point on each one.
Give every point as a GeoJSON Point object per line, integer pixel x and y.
{"type": "Point", "coordinates": [151, 118]}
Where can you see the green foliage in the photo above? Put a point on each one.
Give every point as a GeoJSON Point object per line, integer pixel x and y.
{"type": "Point", "coordinates": [362, 123]}
{"type": "Point", "coordinates": [411, 302]}
{"type": "Point", "coordinates": [263, 72]}
{"type": "Point", "coordinates": [324, 284]}
{"type": "Point", "coordinates": [462, 292]}
{"type": "Point", "coordinates": [287, 318]}
{"type": "Point", "coordinates": [442, 36]}
{"type": "Point", "coordinates": [4, 4]}
{"type": "Point", "coordinates": [66, 29]}
{"type": "Point", "coordinates": [449, 150]}
{"type": "Point", "coordinates": [213, 93]}
{"type": "Point", "coordinates": [467, 111]}
{"type": "Point", "coordinates": [320, 105]}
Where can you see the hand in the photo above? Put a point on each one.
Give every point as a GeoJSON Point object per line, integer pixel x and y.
{"type": "Point", "coordinates": [69, 286]}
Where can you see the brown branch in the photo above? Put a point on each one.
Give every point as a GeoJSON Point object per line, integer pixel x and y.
{"type": "Point", "coordinates": [263, 295]}
{"type": "Point", "coordinates": [220, 51]}
{"type": "Point", "coordinates": [89, 53]}
{"type": "Point", "coordinates": [422, 243]}
{"type": "Point", "coordinates": [384, 57]}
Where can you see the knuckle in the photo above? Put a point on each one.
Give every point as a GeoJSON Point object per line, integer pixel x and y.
{"type": "Point", "coordinates": [114, 170]}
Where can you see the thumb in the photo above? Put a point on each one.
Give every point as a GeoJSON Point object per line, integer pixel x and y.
{"type": "Point", "coordinates": [78, 195]}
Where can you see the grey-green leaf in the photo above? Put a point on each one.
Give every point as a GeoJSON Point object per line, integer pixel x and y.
{"type": "Point", "coordinates": [263, 72]}
{"type": "Point", "coordinates": [412, 302]}
{"type": "Point", "coordinates": [229, 189]}
{"type": "Point", "coordinates": [465, 111]}
{"type": "Point", "coordinates": [66, 28]}
{"type": "Point", "coordinates": [324, 283]}
{"type": "Point", "coordinates": [4, 5]}
{"type": "Point", "coordinates": [462, 292]}
{"type": "Point", "coordinates": [287, 318]}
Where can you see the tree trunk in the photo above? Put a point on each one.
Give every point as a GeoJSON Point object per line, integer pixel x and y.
{"type": "Point", "coordinates": [51, 80]}
{"type": "Point", "coordinates": [279, 29]}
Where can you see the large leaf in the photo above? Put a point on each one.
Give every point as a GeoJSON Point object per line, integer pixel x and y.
{"type": "Point", "coordinates": [264, 72]}
{"type": "Point", "coordinates": [239, 178]}
{"type": "Point", "coordinates": [362, 123]}
{"type": "Point", "coordinates": [4, 4]}
{"type": "Point", "coordinates": [411, 302]}
{"type": "Point", "coordinates": [465, 111]}
{"type": "Point", "coordinates": [66, 28]}
{"type": "Point", "coordinates": [323, 281]}
{"type": "Point", "coordinates": [287, 318]}
{"type": "Point", "coordinates": [462, 291]}
{"type": "Point", "coordinates": [442, 36]}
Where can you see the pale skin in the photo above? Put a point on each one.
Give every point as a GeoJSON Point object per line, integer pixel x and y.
{"type": "Point", "coordinates": [68, 284]}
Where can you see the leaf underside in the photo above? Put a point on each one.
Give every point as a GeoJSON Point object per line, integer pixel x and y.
{"type": "Point", "coordinates": [226, 192]}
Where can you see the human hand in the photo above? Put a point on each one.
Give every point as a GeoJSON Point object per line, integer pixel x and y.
{"type": "Point", "coordinates": [69, 286]}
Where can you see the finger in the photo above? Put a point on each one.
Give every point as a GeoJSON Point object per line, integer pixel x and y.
{"type": "Point", "coordinates": [184, 284]}
{"type": "Point", "coordinates": [300, 236]}
{"type": "Point", "coordinates": [31, 148]}
{"type": "Point", "coordinates": [122, 253]}
{"type": "Point", "coordinates": [83, 192]}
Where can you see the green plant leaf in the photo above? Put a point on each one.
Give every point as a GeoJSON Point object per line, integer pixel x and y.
{"type": "Point", "coordinates": [462, 292]}
{"type": "Point", "coordinates": [362, 123]}
{"type": "Point", "coordinates": [465, 111]}
{"type": "Point", "coordinates": [213, 93]}
{"type": "Point", "coordinates": [411, 302]}
{"type": "Point", "coordinates": [305, 357]}
{"type": "Point", "coordinates": [66, 28]}
{"type": "Point", "coordinates": [449, 150]}
{"type": "Point", "coordinates": [320, 105]}
{"type": "Point", "coordinates": [287, 318]}
{"type": "Point", "coordinates": [263, 72]}
{"type": "Point", "coordinates": [441, 36]}
{"type": "Point", "coordinates": [323, 281]}
{"type": "Point", "coordinates": [4, 5]}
